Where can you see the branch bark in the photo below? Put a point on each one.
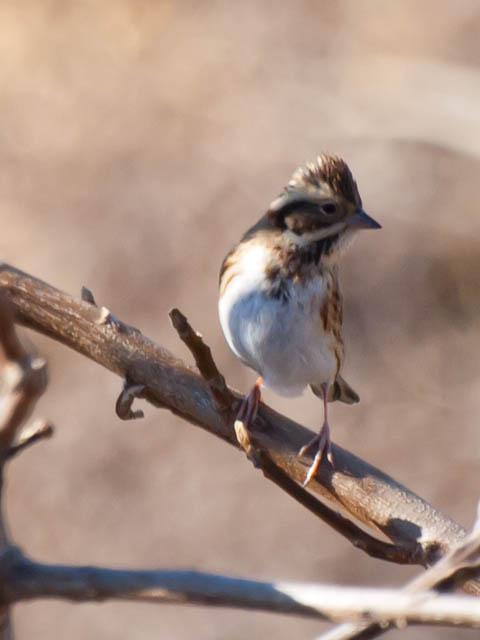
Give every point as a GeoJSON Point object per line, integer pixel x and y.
{"type": "Point", "coordinates": [453, 570]}
{"type": "Point", "coordinates": [23, 380]}
{"type": "Point", "coordinates": [367, 493]}
{"type": "Point", "coordinates": [40, 430]}
{"type": "Point", "coordinates": [25, 580]}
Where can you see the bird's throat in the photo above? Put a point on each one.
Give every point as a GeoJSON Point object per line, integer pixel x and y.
{"type": "Point", "coordinates": [315, 252]}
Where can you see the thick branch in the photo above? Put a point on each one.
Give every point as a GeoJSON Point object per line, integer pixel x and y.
{"type": "Point", "coordinates": [365, 492]}
{"type": "Point", "coordinates": [27, 580]}
{"type": "Point", "coordinates": [358, 537]}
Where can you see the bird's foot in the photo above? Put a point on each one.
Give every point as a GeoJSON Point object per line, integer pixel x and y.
{"type": "Point", "coordinates": [324, 448]}
{"type": "Point", "coordinates": [245, 418]}
{"type": "Point", "coordinates": [249, 407]}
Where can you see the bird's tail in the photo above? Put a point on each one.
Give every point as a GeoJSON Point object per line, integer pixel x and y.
{"type": "Point", "coordinates": [339, 390]}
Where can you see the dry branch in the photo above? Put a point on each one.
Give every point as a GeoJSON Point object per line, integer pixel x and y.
{"type": "Point", "coordinates": [23, 379]}
{"type": "Point", "coordinates": [24, 580]}
{"type": "Point", "coordinates": [358, 537]}
{"type": "Point", "coordinates": [458, 565]}
{"type": "Point", "coordinates": [373, 497]}
{"type": "Point", "coordinates": [40, 430]}
{"type": "Point", "coordinates": [203, 359]}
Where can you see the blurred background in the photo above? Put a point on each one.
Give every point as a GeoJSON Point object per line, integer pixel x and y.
{"type": "Point", "coordinates": [138, 140]}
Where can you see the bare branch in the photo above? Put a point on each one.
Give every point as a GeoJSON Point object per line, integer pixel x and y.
{"type": "Point", "coordinates": [23, 378]}
{"type": "Point", "coordinates": [203, 359]}
{"type": "Point", "coordinates": [457, 566]}
{"type": "Point", "coordinates": [367, 493]}
{"type": "Point", "coordinates": [11, 349]}
{"type": "Point", "coordinates": [23, 580]}
{"type": "Point", "coordinates": [40, 430]}
{"type": "Point", "coordinates": [453, 570]}
{"type": "Point", "coordinates": [358, 537]}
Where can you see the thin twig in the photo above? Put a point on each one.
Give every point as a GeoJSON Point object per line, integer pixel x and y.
{"type": "Point", "coordinates": [11, 348]}
{"type": "Point", "coordinates": [40, 430]}
{"type": "Point", "coordinates": [24, 378]}
{"type": "Point", "coordinates": [203, 359]}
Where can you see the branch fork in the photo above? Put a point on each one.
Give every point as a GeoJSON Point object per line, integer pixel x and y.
{"type": "Point", "coordinates": [418, 533]}
{"type": "Point", "coordinates": [202, 354]}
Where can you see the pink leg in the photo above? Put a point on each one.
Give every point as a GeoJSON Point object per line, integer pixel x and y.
{"type": "Point", "coordinates": [249, 407]}
{"type": "Point", "coordinates": [320, 441]}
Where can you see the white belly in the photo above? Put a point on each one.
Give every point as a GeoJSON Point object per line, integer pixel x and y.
{"type": "Point", "coordinates": [282, 339]}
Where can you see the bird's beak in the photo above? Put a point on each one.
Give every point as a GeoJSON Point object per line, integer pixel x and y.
{"type": "Point", "coordinates": [361, 220]}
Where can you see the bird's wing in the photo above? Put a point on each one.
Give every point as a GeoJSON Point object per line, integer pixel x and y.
{"type": "Point", "coordinates": [339, 390]}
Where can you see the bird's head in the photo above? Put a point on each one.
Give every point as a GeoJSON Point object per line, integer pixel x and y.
{"type": "Point", "coordinates": [321, 203]}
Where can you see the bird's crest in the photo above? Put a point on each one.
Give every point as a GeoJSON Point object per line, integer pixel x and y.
{"type": "Point", "coordinates": [329, 173]}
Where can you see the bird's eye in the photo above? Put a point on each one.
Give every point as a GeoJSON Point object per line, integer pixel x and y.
{"type": "Point", "coordinates": [329, 208]}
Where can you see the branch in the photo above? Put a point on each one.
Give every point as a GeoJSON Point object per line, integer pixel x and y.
{"type": "Point", "coordinates": [458, 565]}
{"type": "Point", "coordinates": [40, 430]}
{"type": "Point", "coordinates": [23, 579]}
{"type": "Point", "coordinates": [203, 359]}
{"type": "Point", "coordinates": [358, 537]}
{"type": "Point", "coordinates": [23, 380]}
{"type": "Point", "coordinates": [367, 493]}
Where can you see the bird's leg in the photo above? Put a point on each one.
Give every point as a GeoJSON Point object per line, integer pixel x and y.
{"type": "Point", "coordinates": [321, 441]}
{"type": "Point", "coordinates": [249, 407]}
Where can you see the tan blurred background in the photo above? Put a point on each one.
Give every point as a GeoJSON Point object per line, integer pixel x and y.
{"type": "Point", "coordinates": [138, 140]}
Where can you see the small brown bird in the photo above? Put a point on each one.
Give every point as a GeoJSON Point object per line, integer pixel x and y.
{"type": "Point", "coordinates": [280, 304]}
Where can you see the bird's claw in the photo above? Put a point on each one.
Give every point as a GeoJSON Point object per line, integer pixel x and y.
{"type": "Point", "coordinates": [324, 449]}
{"type": "Point", "coordinates": [249, 407]}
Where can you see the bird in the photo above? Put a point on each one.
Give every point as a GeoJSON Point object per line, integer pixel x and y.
{"type": "Point", "coordinates": [280, 305]}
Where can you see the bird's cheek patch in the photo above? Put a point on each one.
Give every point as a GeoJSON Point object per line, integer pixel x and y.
{"type": "Point", "coordinates": [300, 224]}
